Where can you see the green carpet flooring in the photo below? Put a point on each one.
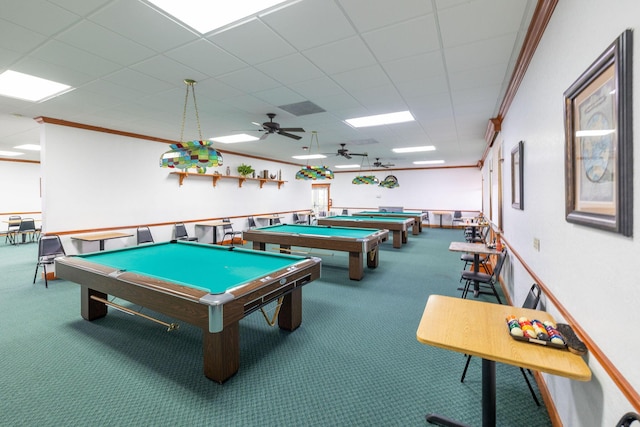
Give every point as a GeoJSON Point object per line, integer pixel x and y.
{"type": "Point", "coordinates": [355, 360]}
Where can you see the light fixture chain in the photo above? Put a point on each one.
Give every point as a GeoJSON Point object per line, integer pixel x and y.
{"type": "Point", "coordinates": [195, 105]}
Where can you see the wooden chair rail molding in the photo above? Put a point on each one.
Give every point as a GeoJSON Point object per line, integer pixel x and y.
{"type": "Point", "coordinates": [627, 389]}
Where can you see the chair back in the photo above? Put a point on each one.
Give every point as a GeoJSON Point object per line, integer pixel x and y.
{"type": "Point", "coordinates": [499, 264]}
{"type": "Point", "coordinates": [345, 212]}
{"type": "Point", "coordinates": [276, 221]}
{"type": "Point", "coordinates": [27, 224]}
{"type": "Point", "coordinates": [252, 222]}
{"type": "Point", "coordinates": [50, 246]}
{"type": "Point", "coordinates": [533, 297]}
{"type": "Point", "coordinates": [14, 222]}
{"type": "Point", "coordinates": [457, 214]}
{"type": "Point", "coordinates": [296, 218]}
{"type": "Point", "coordinates": [227, 226]}
{"type": "Point", "coordinates": [628, 419]}
{"type": "Point", "coordinates": [144, 235]}
{"type": "Point", "coordinates": [180, 231]}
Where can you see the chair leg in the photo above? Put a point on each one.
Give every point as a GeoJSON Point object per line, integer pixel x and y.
{"type": "Point", "coordinates": [46, 282]}
{"type": "Point", "coordinates": [533, 393]}
{"type": "Point", "coordinates": [493, 288]}
{"type": "Point", "coordinates": [466, 366]}
{"type": "Point", "coordinates": [36, 273]}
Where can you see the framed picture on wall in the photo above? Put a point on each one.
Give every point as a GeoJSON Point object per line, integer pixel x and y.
{"type": "Point", "coordinates": [599, 142]}
{"type": "Point", "coordinates": [517, 169]}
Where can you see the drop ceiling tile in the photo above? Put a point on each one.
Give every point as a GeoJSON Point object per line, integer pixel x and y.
{"type": "Point", "coordinates": [416, 68]}
{"type": "Point", "coordinates": [207, 58]}
{"type": "Point", "coordinates": [38, 15]}
{"type": "Point", "coordinates": [317, 88]}
{"type": "Point", "coordinates": [366, 18]}
{"type": "Point", "coordinates": [64, 55]}
{"type": "Point", "coordinates": [47, 70]}
{"type": "Point", "coordinates": [478, 77]}
{"type": "Point", "coordinates": [93, 38]}
{"type": "Point", "coordinates": [290, 69]}
{"type": "Point", "coordinates": [278, 96]}
{"type": "Point", "coordinates": [362, 78]}
{"type": "Point", "coordinates": [249, 80]}
{"type": "Point", "coordinates": [80, 7]}
{"type": "Point", "coordinates": [168, 70]}
{"type": "Point", "coordinates": [252, 42]}
{"type": "Point", "coordinates": [19, 39]}
{"type": "Point", "coordinates": [399, 41]}
{"type": "Point", "coordinates": [480, 54]}
{"type": "Point", "coordinates": [310, 23]}
{"type": "Point", "coordinates": [139, 81]}
{"type": "Point", "coordinates": [481, 20]}
{"type": "Point", "coordinates": [135, 20]}
{"type": "Point", "coordinates": [217, 90]}
{"type": "Point", "coordinates": [344, 55]}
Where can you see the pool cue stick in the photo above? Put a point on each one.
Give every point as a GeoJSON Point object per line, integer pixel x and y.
{"type": "Point", "coordinates": [275, 313]}
{"type": "Point", "coordinates": [170, 326]}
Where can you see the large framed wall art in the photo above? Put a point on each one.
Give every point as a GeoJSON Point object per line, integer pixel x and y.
{"type": "Point", "coordinates": [599, 142]}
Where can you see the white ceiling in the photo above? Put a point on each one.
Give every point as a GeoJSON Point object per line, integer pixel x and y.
{"type": "Point", "coordinates": [447, 61]}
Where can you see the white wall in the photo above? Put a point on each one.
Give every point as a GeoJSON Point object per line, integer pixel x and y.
{"type": "Point", "coordinates": [19, 187]}
{"type": "Point", "coordinates": [431, 189]}
{"type": "Point", "coordinates": [591, 272]}
{"type": "Point", "coordinates": [94, 180]}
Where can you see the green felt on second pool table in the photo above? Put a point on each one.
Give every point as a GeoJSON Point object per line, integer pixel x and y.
{"type": "Point", "coordinates": [319, 230]}
{"type": "Point", "coordinates": [208, 267]}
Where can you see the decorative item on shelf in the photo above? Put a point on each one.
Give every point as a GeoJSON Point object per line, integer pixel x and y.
{"type": "Point", "coordinates": [191, 154]}
{"type": "Point", "coordinates": [265, 174]}
{"type": "Point", "coordinates": [228, 171]}
{"type": "Point", "coordinates": [365, 179]}
{"type": "Point", "coordinates": [389, 182]}
{"type": "Point", "coordinates": [245, 170]}
{"type": "Point", "coordinates": [312, 172]}
{"type": "Point", "coordinates": [272, 176]}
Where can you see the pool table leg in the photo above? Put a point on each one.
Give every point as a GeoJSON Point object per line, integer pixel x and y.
{"type": "Point", "coordinates": [356, 271]}
{"type": "Point", "coordinates": [91, 309]}
{"type": "Point", "coordinates": [290, 316]}
{"type": "Point", "coordinates": [397, 239]}
{"type": "Point", "coordinates": [221, 353]}
{"type": "Point", "coordinates": [405, 236]}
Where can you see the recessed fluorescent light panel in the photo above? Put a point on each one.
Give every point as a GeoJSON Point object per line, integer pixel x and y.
{"type": "Point", "coordinates": [205, 15]}
{"type": "Point", "coordinates": [414, 149]}
{"type": "Point", "coordinates": [594, 132]}
{"type": "Point", "coordinates": [232, 139]}
{"type": "Point", "coordinates": [30, 147]}
{"type": "Point", "coordinates": [10, 153]}
{"type": "Point", "coordinates": [381, 119]}
{"type": "Point", "coordinates": [310, 156]}
{"type": "Point", "coordinates": [346, 166]}
{"type": "Point", "coordinates": [429, 162]}
{"type": "Point", "coordinates": [29, 88]}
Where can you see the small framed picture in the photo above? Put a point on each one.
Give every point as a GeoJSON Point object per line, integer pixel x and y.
{"type": "Point", "coordinates": [517, 169]}
{"type": "Point", "coordinates": [599, 142]}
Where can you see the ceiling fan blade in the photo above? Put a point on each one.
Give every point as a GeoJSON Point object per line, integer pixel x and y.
{"type": "Point", "coordinates": [359, 154]}
{"type": "Point", "coordinates": [289, 135]}
{"type": "Point", "coordinates": [292, 129]}
{"type": "Point", "coordinates": [264, 136]}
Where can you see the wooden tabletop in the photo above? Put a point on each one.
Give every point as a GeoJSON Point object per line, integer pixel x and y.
{"type": "Point", "coordinates": [215, 223]}
{"type": "Point", "coordinates": [472, 248]}
{"type": "Point", "coordinates": [479, 329]}
{"type": "Point", "coordinates": [92, 237]}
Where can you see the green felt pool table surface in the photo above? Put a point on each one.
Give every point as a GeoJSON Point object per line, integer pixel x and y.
{"type": "Point", "coordinates": [211, 268]}
{"type": "Point", "coordinates": [319, 230]}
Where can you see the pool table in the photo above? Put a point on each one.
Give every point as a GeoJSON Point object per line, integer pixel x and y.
{"type": "Point", "coordinates": [398, 226]}
{"type": "Point", "coordinates": [417, 216]}
{"type": "Point", "coordinates": [356, 241]}
{"type": "Point", "coordinates": [208, 286]}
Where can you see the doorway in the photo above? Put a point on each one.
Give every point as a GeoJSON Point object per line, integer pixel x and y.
{"type": "Point", "coordinates": [321, 199]}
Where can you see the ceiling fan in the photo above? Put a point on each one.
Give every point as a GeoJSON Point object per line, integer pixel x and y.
{"type": "Point", "coordinates": [273, 127]}
{"type": "Point", "coordinates": [379, 164]}
{"type": "Point", "coordinates": [342, 151]}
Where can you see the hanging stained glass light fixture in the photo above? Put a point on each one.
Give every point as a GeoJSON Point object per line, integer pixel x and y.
{"type": "Point", "coordinates": [365, 179]}
{"type": "Point", "coordinates": [197, 154]}
{"type": "Point", "coordinates": [389, 182]}
{"type": "Point", "coordinates": [314, 172]}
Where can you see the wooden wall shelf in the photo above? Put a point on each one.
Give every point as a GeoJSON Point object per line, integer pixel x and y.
{"type": "Point", "coordinates": [216, 177]}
